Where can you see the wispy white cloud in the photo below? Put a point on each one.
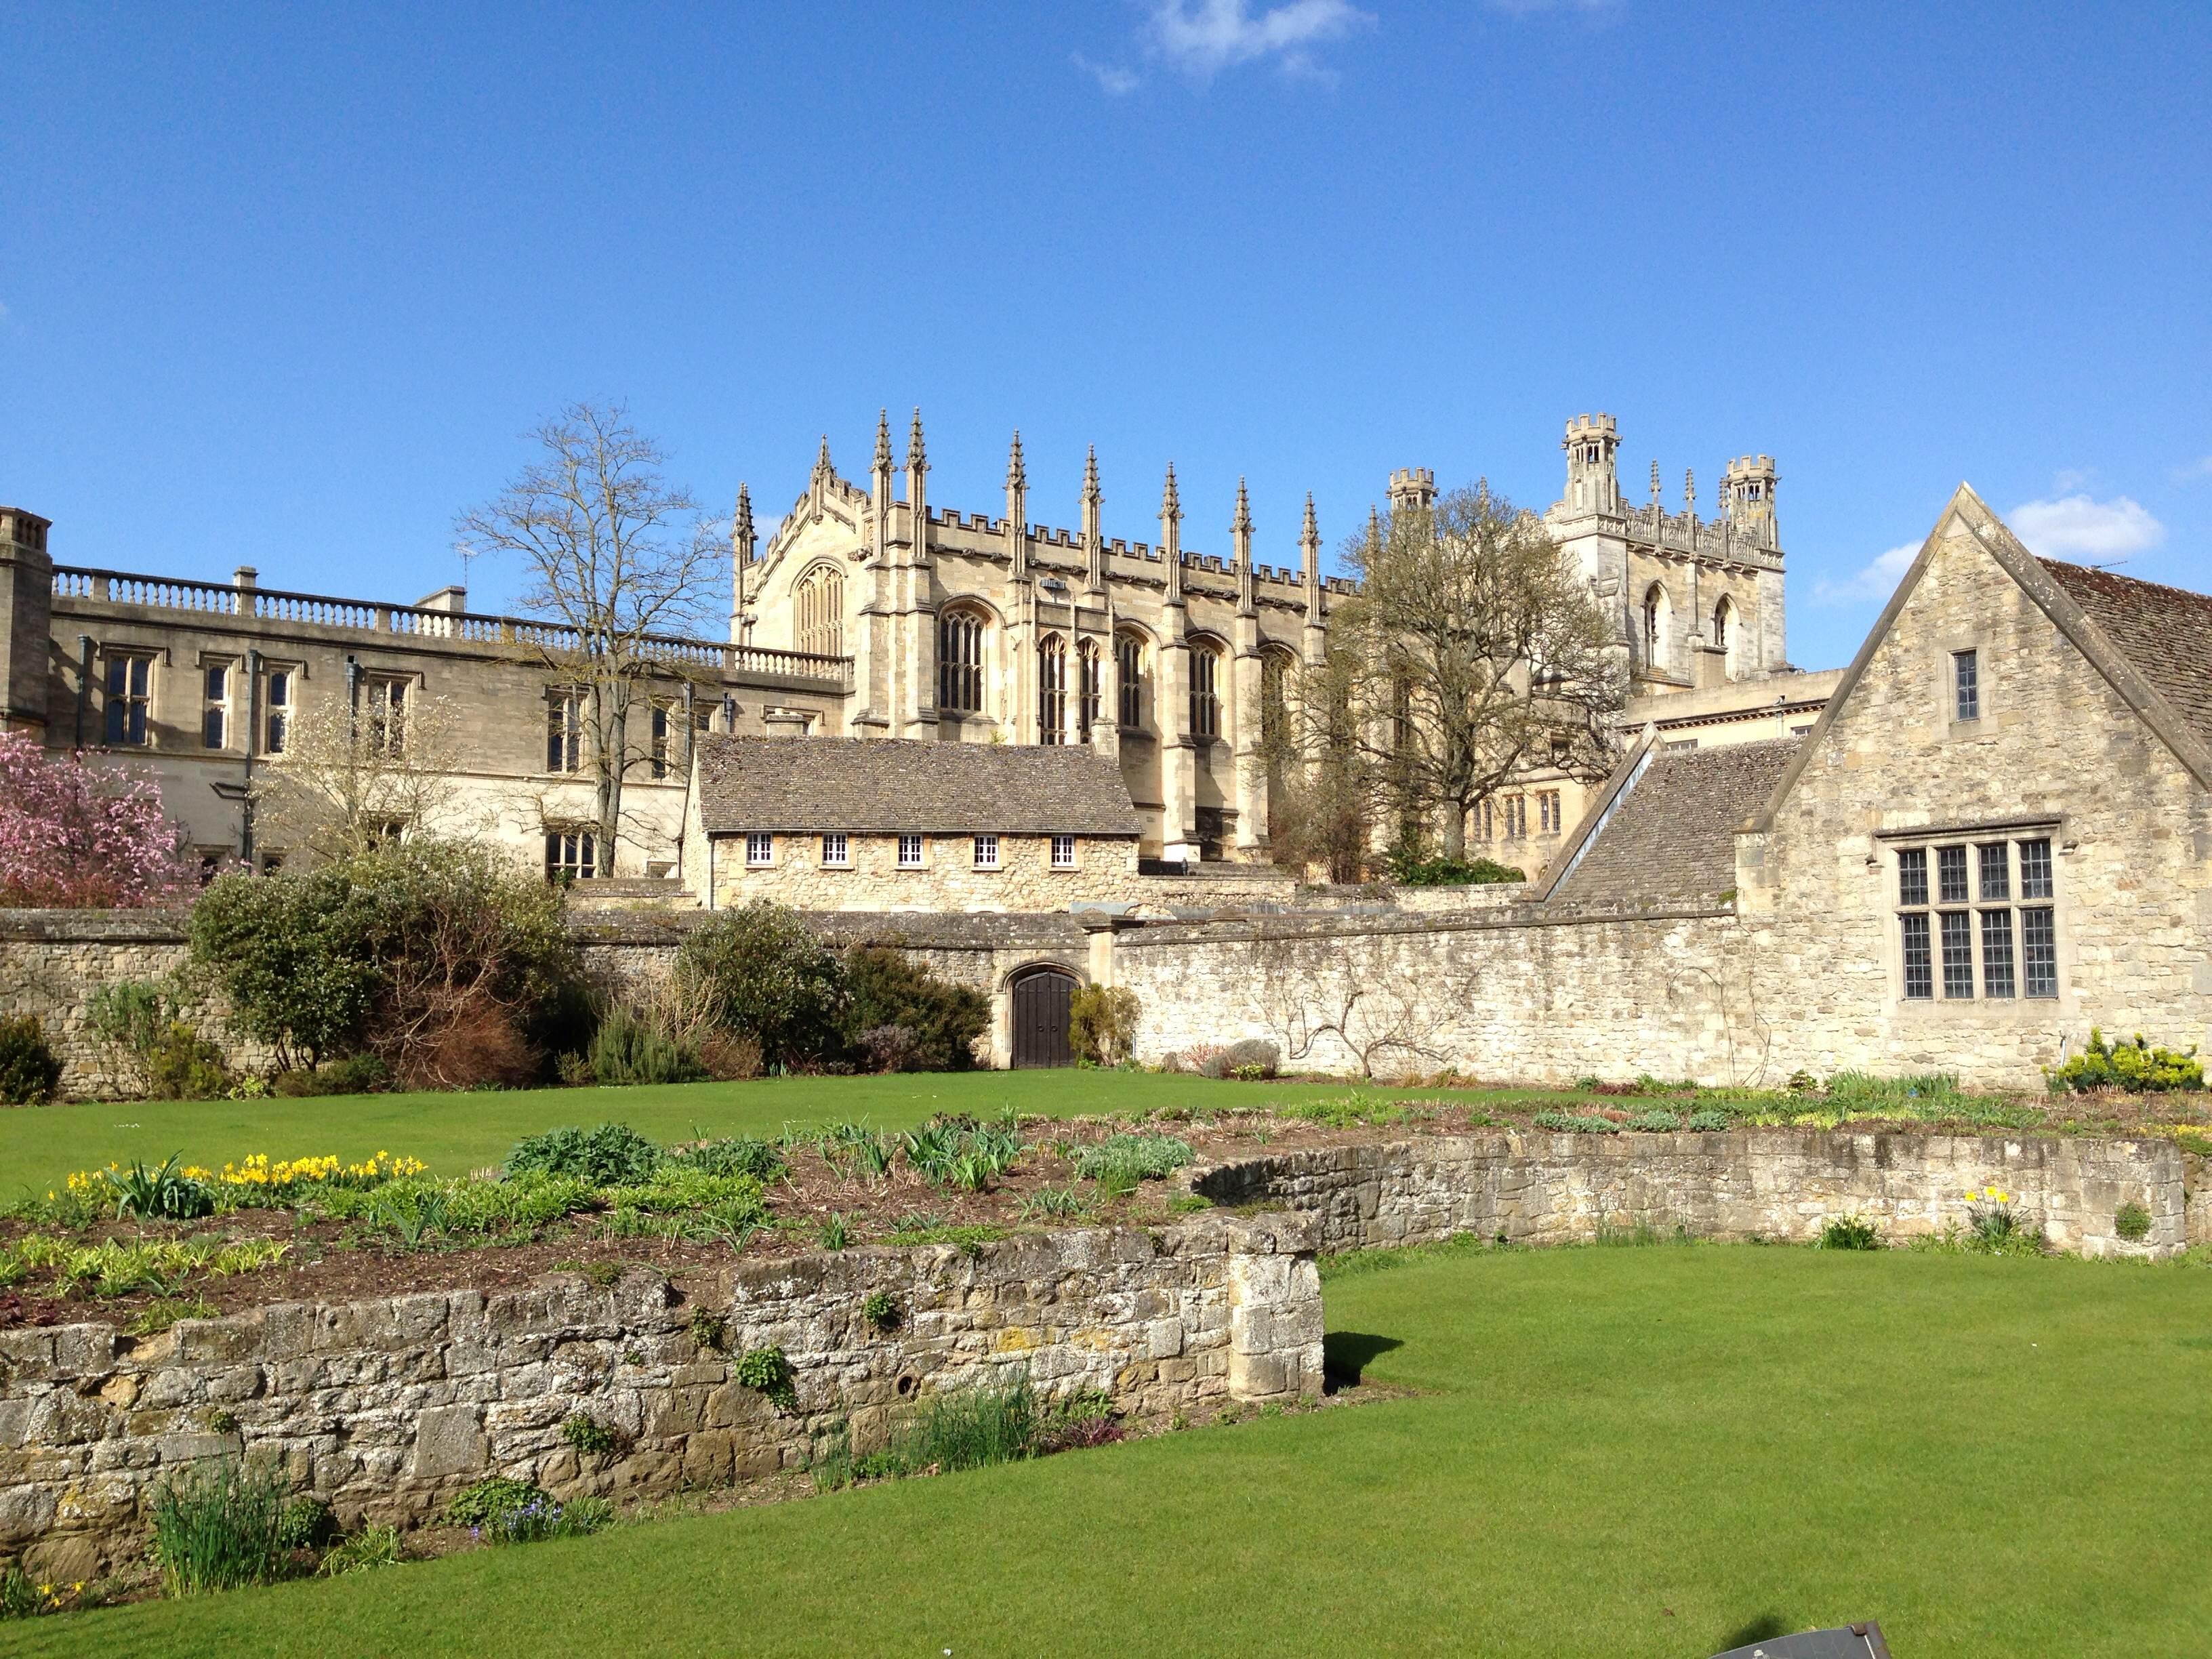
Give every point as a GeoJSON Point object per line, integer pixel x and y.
{"type": "Point", "coordinates": [2079, 526]}
{"type": "Point", "coordinates": [2181, 474]}
{"type": "Point", "coordinates": [2071, 477]}
{"type": "Point", "coordinates": [1876, 580]}
{"type": "Point", "coordinates": [1113, 79]}
{"type": "Point", "coordinates": [1201, 38]}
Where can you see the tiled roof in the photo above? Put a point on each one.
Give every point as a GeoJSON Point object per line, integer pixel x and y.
{"type": "Point", "coordinates": [2165, 633]}
{"type": "Point", "coordinates": [1672, 834]}
{"type": "Point", "coordinates": [808, 785]}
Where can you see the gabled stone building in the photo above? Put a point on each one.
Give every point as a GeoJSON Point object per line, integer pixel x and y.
{"type": "Point", "coordinates": [896, 825]}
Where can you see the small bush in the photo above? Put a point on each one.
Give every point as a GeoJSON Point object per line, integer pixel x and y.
{"type": "Point", "coordinates": [626, 1050]}
{"type": "Point", "coordinates": [936, 1023]}
{"type": "Point", "coordinates": [881, 1309]}
{"type": "Point", "coordinates": [1409, 869]}
{"type": "Point", "coordinates": [968, 1429]}
{"type": "Point", "coordinates": [610, 1155]}
{"type": "Point", "coordinates": [364, 1551]}
{"type": "Point", "coordinates": [768, 1371]}
{"type": "Point", "coordinates": [1146, 1156]}
{"type": "Point", "coordinates": [1849, 1232]}
{"type": "Point", "coordinates": [28, 1069]}
{"type": "Point", "coordinates": [730, 1056]}
{"type": "Point", "coordinates": [1250, 1058]}
{"type": "Point", "coordinates": [2132, 1065]}
{"type": "Point", "coordinates": [1862, 1089]}
{"type": "Point", "coordinates": [1707, 1121]}
{"type": "Point", "coordinates": [183, 1064]}
{"type": "Point", "coordinates": [220, 1526]}
{"type": "Point", "coordinates": [162, 1193]}
{"type": "Point", "coordinates": [502, 1510]}
{"type": "Point", "coordinates": [1575, 1123]}
{"type": "Point", "coordinates": [1657, 1122]}
{"type": "Point", "coordinates": [709, 1329]}
{"type": "Point", "coordinates": [760, 973]}
{"type": "Point", "coordinates": [745, 1155]}
{"type": "Point", "coordinates": [2132, 1222]}
{"type": "Point", "coordinates": [354, 1074]}
{"type": "Point", "coordinates": [164, 1311]}
{"type": "Point", "coordinates": [305, 1523]}
{"type": "Point", "coordinates": [1102, 1023]}
{"type": "Point", "coordinates": [588, 1435]}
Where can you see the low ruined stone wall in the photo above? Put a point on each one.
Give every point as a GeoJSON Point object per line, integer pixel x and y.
{"type": "Point", "coordinates": [386, 1408]}
{"type": "Point", "coordinates": [1780, 1184]}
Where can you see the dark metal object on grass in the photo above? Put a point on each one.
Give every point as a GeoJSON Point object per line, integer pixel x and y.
{"type": "Point", "coordinates": [1848, 1642]}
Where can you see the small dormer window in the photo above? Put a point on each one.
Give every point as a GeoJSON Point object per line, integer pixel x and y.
{"type": "Point", "coordinates": [1966, 685]}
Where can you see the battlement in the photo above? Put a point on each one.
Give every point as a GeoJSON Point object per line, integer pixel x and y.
{"type": "Point", "coordinates": [1409, 478]}
{"type": "Point", "coordinates": [1750, 466]}
{"type": "Point", "coordinates": [1583, 427]}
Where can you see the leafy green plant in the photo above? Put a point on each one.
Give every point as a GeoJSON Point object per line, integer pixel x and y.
{"type": "Point", "coordinates": [627, 1049]}
{"type": "Point", "coordinates": [760, 972]}
{"type": "Point", "coordinates": [1408, 868]}
{"type": "Point", "coordinates": [361, 1552]}
{"type": "Point", "coordinates": [866, 1151]}
{"type": "Point", "coordinates": [1995, 1228]}
{"type": "Point", "coordinates": [745, 1155]}
{"type": "Point", "coordinates": [610, 1155]}
{"type": "Point", "coordinates": [1707, 1121]}
{"type": "Point", "coordinates": [220, 1525]}
{"type": "Point", "coordinates": [2130, 1064]}
{"type": "Point", "coordinates": [1864, 1092]}
{"type": "Point", "coordinates": [504, 1511]}
{"type": "Point", "coordinates": [881, 1309]}
{"type": "Point", "coordinates": [767, 1371]}
{"type": "Point", "coordinates": [1849, 1232]}
{"type": "Point", "coordinates": [588, 1435]}
{"type": "Point", "coordinates": [709, 1329]}
{"type": "Point", "coordinates": [2132, 1222]}
{"type": "Point", "coordinates": [165, 1192]}
{"type": "Point", "coordinates": [832, 1234]}
{"type": "Point", "coordinates": [29, 1070]}
{"type": "Point", "coordinates": [305, 1523]}
{"type": "Point", "coordinates": [892, 992]}
{"type": "Point", "coordinates": [1575, 1123]}
{"type": "Point", "coordinates": [354, 1074]}
{"type": "Point", "coordinates": [1102, 1023]}
{"type": "Point", "coordinates": [1657, 1122]}
{"type": "Point", "coordinates": [1054, 1204]}
{"type": "Point", "coordinates": [1353, 1111]}
{"type": "Point", "coordinates": [1144, 1156]}
{"type": "Point", "coordinates": [413, 1211]}
{"type": "Point", "coordinates": [164, 1311]}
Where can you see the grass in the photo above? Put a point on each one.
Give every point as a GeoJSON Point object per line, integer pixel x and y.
{"type": "Point", "coordinates": [455, 1132]}
{"type": "Point", "coordinates": [1637, 1452]}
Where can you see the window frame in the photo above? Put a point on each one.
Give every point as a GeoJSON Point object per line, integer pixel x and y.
{"type": "Point", "coordinates": [132, 701]}
{"type": "Point", "coordinates": [1061, 854]}
{"type": "Point", "coordinates": [1974, 914]}
{"type": "Point", "coordinates": [277, 706]}
{"type": "Point", "coordinates": [918, 847]}
{"type": "Point", "coordinates": [985, 847]}
{"type": "Point", "coordinates": [837, 850]}
{"type": "Point", "coordinates": [564, 731]}
{"type": "Point", "coordinates": [1206, 660]}
{"type": "Point", "coordinates": [760, 849]}
{"type": "Point", "coordinates": [571, 853]}
{"type": "Point", "coordinates": [960, 672]}
{"type": "Point", "coordinates": [386, 726]}
{"type": "Point", "coordinates": [1965, 682]}
{"type": "Point", "coordinates": [216, 726]}
{"type": "Point", "coordinates": [1052, 690]}
{"type": "Point", "coordinates": [1129, 681]}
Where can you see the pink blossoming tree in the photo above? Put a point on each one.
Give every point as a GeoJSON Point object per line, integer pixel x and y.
{"type": "Point", "coordinates": [80, 836]}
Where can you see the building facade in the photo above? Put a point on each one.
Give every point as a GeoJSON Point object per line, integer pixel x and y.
{"type": "Point", "coordinates": [989, 627]}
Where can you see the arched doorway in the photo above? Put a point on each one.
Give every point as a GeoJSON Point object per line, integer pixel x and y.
{"type": "Point", "coordinates": [1039, 1034]}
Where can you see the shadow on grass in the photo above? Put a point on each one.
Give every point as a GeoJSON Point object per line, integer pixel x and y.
{"type": "Point", "coordinates": [1345, 1354]}
{"type": "Point", "coordinates": [1766, 1628]}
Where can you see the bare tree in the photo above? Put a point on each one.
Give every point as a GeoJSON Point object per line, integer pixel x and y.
{"type": "Point", "coordinates": [348, 780]}
{"type": "Point", "coordinates": [1471, 650]}
{"type": "Point", "coordinates": [621, 559]}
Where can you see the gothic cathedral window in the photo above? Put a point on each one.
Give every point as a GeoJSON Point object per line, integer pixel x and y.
{"type": "Point", "coordinates": [1205, 691]}
{"type": "Point", "coordinates": [960, 662]}
{"type": "Point", "coordinates": [1052, 690]}
{"type": "Point", "coordinates": [1128, 674]}
{"type": "Point", "coordinates": [820, 603]}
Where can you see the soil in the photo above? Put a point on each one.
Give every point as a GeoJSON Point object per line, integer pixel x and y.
{"type": "Point", "coordinates": [337, 1262]}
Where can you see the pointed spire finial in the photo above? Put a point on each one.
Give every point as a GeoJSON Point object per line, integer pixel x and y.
{"type": "Point", "coordinates": [822, 467]}
{"type": "Point", "coordinates": [1374, 526]}
{"type": "Point", "coordinates": [1310, 533]}
{"type": "Point", "coordinates": [1091, 475]}
{"type": "Point", "coordinates": [917, 459]}
{"type": "Point", "coordinates": [1017, 477]}
{"type": "Point", "coordinates": [882, 440]}
{"type": "Point", "coordinates": [1170, 503]}
{"type": "Point", "coordinates": [1690, 490]}
{"type": "Point", "coordinates": [1244, 518]}
{"type": "Point", "coordinates": [1654, 482]}
{"type": "Point", "coordinates": [741, 524]}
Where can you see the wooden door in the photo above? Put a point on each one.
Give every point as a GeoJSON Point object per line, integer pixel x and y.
{"type": "Point", "coordinates": [1040, 1019]}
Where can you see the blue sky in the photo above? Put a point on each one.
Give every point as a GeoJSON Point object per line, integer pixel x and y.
{"type": "Point", "coordinates": [285, 287]}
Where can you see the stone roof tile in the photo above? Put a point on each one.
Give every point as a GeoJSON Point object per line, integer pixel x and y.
{"type": "Point", "coordinates": [2165, 633]}
{"type": "Point", "coordinates": [808, 785]}
{"type": "Point", "coordinates": [1671, 834]}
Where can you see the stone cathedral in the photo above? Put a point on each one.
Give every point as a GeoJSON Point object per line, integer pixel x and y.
{"type": "Point", "coordinates": [975, 627]}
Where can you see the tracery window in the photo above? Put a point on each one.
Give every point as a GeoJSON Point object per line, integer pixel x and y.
{"type": "Point", "coordinates": [1205, 691]}
{"type": "Point", "coordinates": [1987, 920]}
{"type": "Point", "coordinates": [1052, 690]}
{"type": "Point", "coordinates": [1092, 673]}
{"type": "Point", "coordinates": [819, 603]}
{"type": "Point", "coordinates": [1128, 673]}
{"type": "Point", "coordinates": [128, 680]}
{"type": "Point", "coordinates": [1654, 626]}
{"type": "Point", "coordinates": [960, 662]}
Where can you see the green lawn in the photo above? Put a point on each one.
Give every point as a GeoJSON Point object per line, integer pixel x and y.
{"type": "Point", "coordinates": [1648, 1451]}
{"type": "Point", "coordinates": [453, 1133]}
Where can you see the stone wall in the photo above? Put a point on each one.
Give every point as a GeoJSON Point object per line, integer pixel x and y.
{"type": "Point", "coordinates": [386, 1408]}
{"type": "Point", "coordinates": [947, 880]}
{"type": "Point", "coordinates": [1779, 1184]}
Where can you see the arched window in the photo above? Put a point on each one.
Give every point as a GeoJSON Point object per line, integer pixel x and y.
{"type": "Point", "coordinates": [1725, 632]}
{"type": "Point", "coordinates": [1129, 671]}
{"type": "Point", "coordinates": [819, 603]}
{"type": "Point", "coordinates": [1205, 691]}
{"type": "Point", "coordinates": [1052, 690]}
{"type": "Point", "coordinates": [960, 662]}
{"type": "Point", "coordinates": [1090, 672]}
{"type": "Point", "coordinates": [1655, 627]}
{"type": "Point", "coordinates": [1274, 704]}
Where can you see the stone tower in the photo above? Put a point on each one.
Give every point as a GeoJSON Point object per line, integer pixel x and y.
{"type": "Point", "coordinates": [1413, 487]}
{"type": "Point", "coordinates": [1593, 447]}
{"type": "Point", "coordinates": [27, 603]}
{"type": "Point", "coordinates": [1747, 488]}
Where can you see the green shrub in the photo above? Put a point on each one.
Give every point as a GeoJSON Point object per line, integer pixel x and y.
{"type": "Point", "coordinates": [1102, 1023]}
{"type": "Point", "coordinates": [369, 1548]}
{"type": "Point", "coordinates": [588, 1435]}
{"type": "Point", "coordinates": [767, 1371]}
{"type": "Point", "coordinates": [1575, 1123]}
{"type": "Point", "coordinates": [1249, 1059]}
{"type": "Point", "coordinates": [1657, 1122]}
{"type": "Point", "coordinates": [163, 1311]}
{"type": "Point", "coordinates": [354, 1074]}
{"type": "Point", "coordinates": [960, 1429]}
{"type": "Point", "coordinates": [305, 1523]}
{"type": "Point", "coordinates": [1849, 1232]}
{"type": "Point", "coordinates": [162, 1193]}
{"type": "Point", "coordinates": [881, 1309]}
{"type": "Point", "coordinates": [1144, 1156]}
{"type": "Point", "coordinates": [2132, 1222]}
{"type": "Point", "coordinates": [745, 1155]}
{"type": "Point", "coordinates": [28, 1069]}
{"type": "Point", "coordinates": [1707, 1121]}
{"type": "Point", "coordinates": [759, 972]}
{"type": "Point", "coordinates": [184, 1065]}
{"type": "Point", "coordinates": [709, 1329]}
{"type": "Point", "coordinates": [959, 1153]}
{"type": "Point", "coordinates": [2133, 1065]}
{"type": "Point", "coordinates": [891, 991]}
{"type": "Point", "coordinates": [220, 1525]}
{"type": "Point", "coordinates": [626, 1050]}
{"type": "Point", "coordinates": [1864, 1090]}
{"type": "Point", "coordinates": [1409, 868]}
{"type": "Point", "coordinates": [501, 1510]}
{"type": "Point", "coordinates": [610, 1155]}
